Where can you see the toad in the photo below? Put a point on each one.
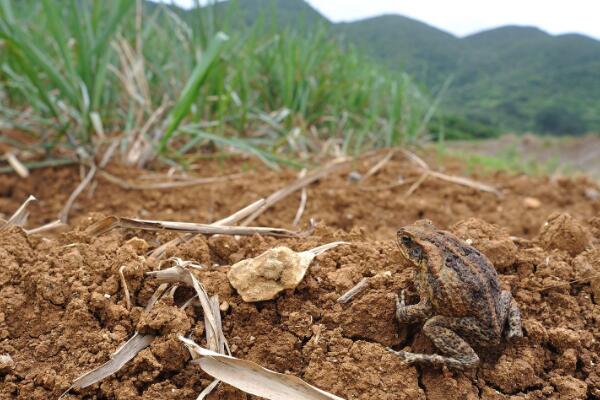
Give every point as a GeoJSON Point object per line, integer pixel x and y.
{"type": "Point", "coordinates": [460, 298]}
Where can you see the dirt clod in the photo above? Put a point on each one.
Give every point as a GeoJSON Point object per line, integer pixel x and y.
{"type": "Point", "coordinates": [561, 231]}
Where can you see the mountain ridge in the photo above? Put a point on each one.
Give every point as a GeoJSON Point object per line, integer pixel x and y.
{"type": "Point", "coordinates": [512, 77]}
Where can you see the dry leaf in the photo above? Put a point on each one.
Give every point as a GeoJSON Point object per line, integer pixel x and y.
{"type": "Point", "coordinates": [119, 358]}
{"type": "Point", "coordinates": [254, 379]}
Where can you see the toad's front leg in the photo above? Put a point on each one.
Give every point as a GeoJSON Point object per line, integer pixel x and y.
{"type": "Point", "coordinates": [413, 313]}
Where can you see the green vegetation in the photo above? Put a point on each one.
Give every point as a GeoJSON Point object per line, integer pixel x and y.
{"type": "Point", "coordinates": [508, 160]}
{"type": "Point", "coordinates": [510, 78]}
{"type": "Point", "coordinates": [169, 81]}
{"type": "Point", "coordinates": [506, 79]}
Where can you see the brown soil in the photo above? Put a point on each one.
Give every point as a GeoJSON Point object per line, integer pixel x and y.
{"type": "Point", "coordinates": [62, 309]}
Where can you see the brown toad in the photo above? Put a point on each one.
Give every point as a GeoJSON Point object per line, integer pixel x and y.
{"type": "Point", "coordinates": [460, 297]}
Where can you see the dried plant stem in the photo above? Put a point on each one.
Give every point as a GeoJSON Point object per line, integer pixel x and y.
{"type": "Point", "coordinates": [110, 223]}
{"type": "Point", "coordinates": [125, 288]}
{"type": "Point", "coordinates": [166, 185]}
{"type": "Point", "coordinates": [17, 165]}
{"type": "Point", "coordinates": [401, 182]}
{"type": "Point", "coordinates": [39, 164]}
{"type": "Point", "coordinates": [380, 164]}
{"type": "Point", "coordinates": [353, 291]}
{"type": "Point", "coordinates": [64, 213]}
{"type": "Point", "coordinates": [415, 159]}
{"type": "Point", "coordinates": [46, 227]}
{"type": "Point", "coordinates": [416, 185]}
{"type": "Point", "coordinates": [580, 280]}
{"type": "Point", "coordinates": [20, 216]}
{"type": "Point", "coordinates": [230, 220]}
{"type": "Point", "coordinates": [459, 180]}
{"type": "Point", "coordinates": [303, 199]}
{"type": "Point", "coordinates": [282, 193]}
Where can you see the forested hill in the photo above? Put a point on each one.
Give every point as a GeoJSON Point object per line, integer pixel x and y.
{"type": "Point", "coordinates": [511, 78]}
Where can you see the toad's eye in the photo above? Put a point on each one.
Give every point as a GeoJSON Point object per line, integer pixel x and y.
{"type": "Point", "coordinates": [406, 240]}
{"type": "Point", "coordinates": [416, 252]}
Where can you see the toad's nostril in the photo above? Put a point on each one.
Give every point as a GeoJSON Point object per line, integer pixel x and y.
{"type": "Point", "coordinates": [415, 252]}
{"type": "Point", "coordinates": [406, 240]}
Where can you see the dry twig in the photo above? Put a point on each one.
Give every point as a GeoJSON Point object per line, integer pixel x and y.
{"type": "Point", "coordinates": [230, 220]}
{"type": "Point", "coordinates": [353, 291]}
{"type": "Point", "coordinates": [459, 180]}
{"type": "Point", "coordinates": [401, 182]}
{"type": "Point", "coordinates": [296, 185]}
{"type": "Point", "coordinates": [303, 198]}
{"type": "Point", "coordinates": [565, 284]}
{"type": "Point", "coordinates": [113, 222]}
{"type": "Point", "coordinates": [125, 288]}
{"type": "Point", "coordinates": [416, 185]}
{"type": "Point", "coordinates": [380, 164]}
{"type": "Point", "coordinates": [166, 185]}
{"type": "Point", "coordinates": [46, 227]}
{"type": "Point", "coordinates": [63, 215]}
{"type": "Point", "coordinates": [17, 165]}
{"type": "Point", "coordinates": [19, 218]}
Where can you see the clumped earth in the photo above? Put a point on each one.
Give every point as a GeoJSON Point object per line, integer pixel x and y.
{"type": "Point", "coordinates": [63, 310]}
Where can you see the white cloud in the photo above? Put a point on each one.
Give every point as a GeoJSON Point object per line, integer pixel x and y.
{"type": "Point", "coordinates": [463, 17]}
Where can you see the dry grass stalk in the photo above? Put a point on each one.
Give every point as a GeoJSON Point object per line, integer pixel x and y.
{"type": "Point", "coordinates": [580, 280]}
{"type": "Point", "coordinates": [180, 272]}
{"type": "Point", "coordinates": [125, 288]}
{"type": "Point", "coordinates": [46, 227]}
{"type": "Point", "coordinates": [284, 192]}
{"type": "Point", "coordinates": [113, 222]}
{"type": "Point", "coordinates": [19, 218]}
{"type": "Point", "coordinates": [17, 165]}
{"type": "Point", "coordinates": [303, 199]}
{"type": "Point", "coordinates": [156, 295]}
{"type": "Point", "coordinates": [380, 164]}
{"type": "Point", "coordinates": [215, 338]}
{"type": "Point", "coordinates": [416, 185]}
{"type": "Point", "coordinates": [252, 378]}
{"type": "Point", "coordinates": [230, 220]}
{"type": "Point", "coordinates": [353, 291]}
{"type": "Point", "coordinates": [108, 154]}
{"type": "Point", "coordinates": [459, 180]}
{"type": "Point", "coordinates": [415, 159]}
{"type": "Point", "coordinates": [167, 185]}
{"type": "Point", "coordinates": [401, 182]}
{"type": "Point", "coordinates": [63, 215]}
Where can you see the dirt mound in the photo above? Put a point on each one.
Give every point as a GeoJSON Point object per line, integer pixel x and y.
{"type": "Point", "coordinates": [63, 311]}
{"type": "Point", "coordinates": [379, 204]}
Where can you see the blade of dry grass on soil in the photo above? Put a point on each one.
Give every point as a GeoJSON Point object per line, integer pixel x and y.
{"type": "Point", "coordinates": [254, 379]}
{"type": "Point", "coordinates": [300, 183]}
{"type": "Point", "coordinates": [113, 222]}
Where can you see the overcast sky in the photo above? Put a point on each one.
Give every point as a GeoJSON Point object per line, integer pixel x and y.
{"type": "Point", "coordinates": [463, 17]}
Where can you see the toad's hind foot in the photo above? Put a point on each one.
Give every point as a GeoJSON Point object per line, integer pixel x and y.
{"type": "Point", "coordinates": [456, 352]}
{"type": "Point", "coordinates": [511, 314]}
{"type": "Point", "coordinates": [437, 360]}
{"type": "Point", "coordinates": [515, 329]}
